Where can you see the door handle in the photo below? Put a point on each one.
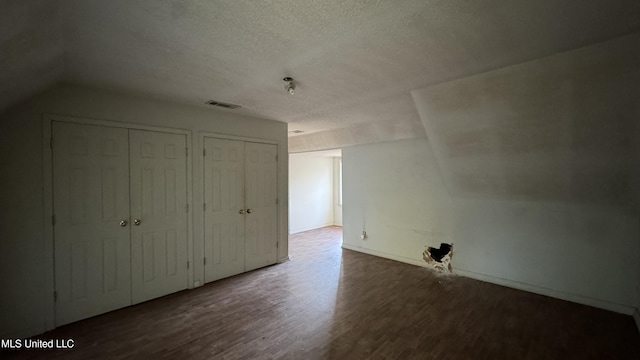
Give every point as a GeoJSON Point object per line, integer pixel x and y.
{"type": "Point", "coordinates": [249, 211]}
{"type": "Point", "coordinates": [241, 211]}
{"type": "Point", "coordinates": [136, 221]}
{"type": "Point", "coordinates": [123, 223]}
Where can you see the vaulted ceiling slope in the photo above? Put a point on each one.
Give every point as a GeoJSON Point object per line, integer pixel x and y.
{"type": "Point", "coordinates": [563, 128]}
{"type": "Point", "coordinates": [31, 48]}
{"type": "Point", "coordinates": [355, 61]}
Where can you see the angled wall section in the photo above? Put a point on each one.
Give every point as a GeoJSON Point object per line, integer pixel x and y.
{"type": "Point", "coordinates": [541, 162]}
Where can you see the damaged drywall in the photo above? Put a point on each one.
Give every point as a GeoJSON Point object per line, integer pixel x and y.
{"type": "Point", "coordinates": [439, 258]}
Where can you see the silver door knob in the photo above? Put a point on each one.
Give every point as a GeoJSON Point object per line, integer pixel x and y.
{"type": "Point", "coordinates": [136, 221]}
{"type": "Point", "coordinates": [241, 211]}
{"type": "Point", "coordinates": [123, 222]}
{"type": "Point", "coordinates": [249, 211]}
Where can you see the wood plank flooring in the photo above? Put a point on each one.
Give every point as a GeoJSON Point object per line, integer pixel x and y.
{"type": "Point", "coordinates": [329, 303]}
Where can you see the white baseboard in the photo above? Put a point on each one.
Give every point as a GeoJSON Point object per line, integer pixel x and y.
{"type": "Point", "coordinates": [580, 299]}
{"type": "Point", "coordinates": [291, 231]}
{"type": "Point", "coordinates": [602, 304]}
{"type": "Point", "coordinates": [385, 255]}
{"type": "Point", "coordinates": [636, 316]}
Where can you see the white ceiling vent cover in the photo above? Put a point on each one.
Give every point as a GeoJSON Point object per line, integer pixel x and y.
{"type": "Point", "coordinates": [221, 104]}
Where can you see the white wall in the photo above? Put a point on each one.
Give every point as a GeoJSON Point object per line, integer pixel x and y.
{"type": "Point", "coordinates": [337, 206]}
{"type": "Point", "coordinates": [311, 180]}
{"type": "Point", "coordinates": [581, 253]}
{"type": "Point", "coordinates": [394, 191]}
{"type": "Point", "coordinates": [578, 253]}
{"type": "Point", "coordinates": [27, 300]}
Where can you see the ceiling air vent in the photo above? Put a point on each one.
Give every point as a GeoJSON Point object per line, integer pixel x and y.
{"type": "Point", "coordinates": [221, 104]}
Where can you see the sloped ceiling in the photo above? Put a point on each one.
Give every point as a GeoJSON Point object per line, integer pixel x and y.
{"type": "Point", "coordinates": [562, 128]}
{"type": "Point", "coordinates": [355, 61]}
{"type": "Point", "coordinates": [31, 48]}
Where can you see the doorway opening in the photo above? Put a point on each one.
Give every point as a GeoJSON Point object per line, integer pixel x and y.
{"type": "Point", "coordinates": [315, 190]}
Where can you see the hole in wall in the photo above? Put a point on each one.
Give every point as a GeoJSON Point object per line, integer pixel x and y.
{"type": "Point", "coordinates": [439, 258]}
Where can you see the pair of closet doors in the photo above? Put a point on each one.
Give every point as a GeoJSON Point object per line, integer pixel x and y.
{"type": "Point", "coordinates": [120, 210]}
{"type": "Point", "coordinates": [241, 206]}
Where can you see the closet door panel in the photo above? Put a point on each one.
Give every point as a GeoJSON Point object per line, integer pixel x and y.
{"type": "Point", "coordinates": [224, 201]}
{"type": "Point", "coordinates": [262, 206]}
{"type": "Point", "coordinates": [159, 214]}
{"type": "Point", "coordinates": [91, 198]}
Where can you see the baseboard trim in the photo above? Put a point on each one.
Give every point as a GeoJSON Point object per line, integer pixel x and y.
{"type": "Point", "coordinates": [602, 304]}
{"type": "Point", "coordinates": [381, 254]}
{"type": "Point", "coordinates": [636, 317]}
{"type": "Point", "coordinates": [310, 228]}
{"type": "Point", "coordinates": [283, 260]}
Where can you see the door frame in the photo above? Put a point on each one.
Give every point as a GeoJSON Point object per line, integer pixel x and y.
{"type": "Point", "coordinates": [47, 173]}
{"type": "Point", "coordinates": [199, 172]}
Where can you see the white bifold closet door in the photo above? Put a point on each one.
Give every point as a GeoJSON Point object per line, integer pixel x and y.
{"type": "Point", "coordinates": [91, 198]}
{"type": "Point", "coordinates": [159, 214]}
{"type": "Point", "coordinates": [240, 220]}
{"type": "Point", "coordinates": [224, 208]}
{"type": "Point", "coordinates": [261, 247]}
{"type": "Point", "coordinates": [120, 232]}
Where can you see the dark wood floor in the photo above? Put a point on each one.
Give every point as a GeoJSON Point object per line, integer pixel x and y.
{"type": "Point", "coordinates": [329, 303]}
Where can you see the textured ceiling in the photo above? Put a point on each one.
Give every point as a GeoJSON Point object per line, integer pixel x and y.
{"type": "Point", "coordinates": [355, 61]}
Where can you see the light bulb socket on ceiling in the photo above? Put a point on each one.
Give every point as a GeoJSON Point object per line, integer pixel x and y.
{"type": "Point", "coordinates": [290, 85]}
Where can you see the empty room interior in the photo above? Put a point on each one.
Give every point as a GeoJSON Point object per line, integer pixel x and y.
{"type": "Point", "coordinates": [320, 179]}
